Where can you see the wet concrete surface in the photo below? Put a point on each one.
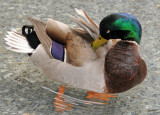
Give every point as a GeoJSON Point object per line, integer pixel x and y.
{"type": "Point", "coordinates": [21, 81]}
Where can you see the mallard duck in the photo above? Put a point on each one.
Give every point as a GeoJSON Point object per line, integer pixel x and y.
{"type": "Point", "coordinates": [104, 58]}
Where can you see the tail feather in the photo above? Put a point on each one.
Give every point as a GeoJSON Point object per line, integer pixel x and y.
{"type": "Point", "coordinates": [17, 42]}
{"type": "Point", "coordinates": [15, 37]}
{"type": "Point", "coordinates": [18, 50]}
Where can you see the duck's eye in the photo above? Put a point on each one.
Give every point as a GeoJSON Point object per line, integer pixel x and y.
{"type": "Point", "coordinates": [99, 38]}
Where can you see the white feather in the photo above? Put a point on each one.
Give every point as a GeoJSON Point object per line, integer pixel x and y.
{"type": "Point", "coordinates": [17, 42]}
{"type": "Point", "coordinates": [19, 50]}
{"type": "Point", "coordinates": [12, 41]}
{"type": "Point", "coordinates": [17, 46]}
{"type": "Point", "coordinates": [16, 34]}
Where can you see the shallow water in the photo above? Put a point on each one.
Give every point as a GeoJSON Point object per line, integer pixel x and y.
{"type": "Point", "coordinates": [21, 83]}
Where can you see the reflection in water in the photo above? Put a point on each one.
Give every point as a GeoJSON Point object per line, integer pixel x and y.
{"type": "Point", "coordinates": [66, 103]}
{"type": "Point", "coordinates": [59, 103]}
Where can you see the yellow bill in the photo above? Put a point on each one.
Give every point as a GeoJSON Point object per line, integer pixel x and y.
{"type": "Point", "coordinates": [99, 42]}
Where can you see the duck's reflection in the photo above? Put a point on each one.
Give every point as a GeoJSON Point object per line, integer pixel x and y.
{"type": "Point", "coordinates": [67, 103]}
{"type": "Point", "coordinates": [59, 103]}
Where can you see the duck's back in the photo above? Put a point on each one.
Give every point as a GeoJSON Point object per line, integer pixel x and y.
{"type": "Point", "coordinates": [78, 48]}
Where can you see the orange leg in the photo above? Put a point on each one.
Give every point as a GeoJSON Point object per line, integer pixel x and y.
{"type": "Point", "coordinates": [99, 96]}
{"type": "Point", "coordinates": [59, 105]}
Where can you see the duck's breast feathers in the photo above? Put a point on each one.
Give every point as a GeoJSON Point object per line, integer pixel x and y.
{"type": "Point", "coordinates": [124, 67]}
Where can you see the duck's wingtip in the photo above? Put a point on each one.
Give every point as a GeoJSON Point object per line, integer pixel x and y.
{"type": "Point", "coordinates": [80, 12]}
{"type": "Point", "coordinates": [28, 17]}
{"type": "Point", "coordinates": [68, 14]}
{"type": "Point", "coordinates": [76, 9]}
{"type": "Point", "coordinates": [87, 24]}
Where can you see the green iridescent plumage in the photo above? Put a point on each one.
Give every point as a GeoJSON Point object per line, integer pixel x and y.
{"type": "Point", "coordinates": [121, 25]}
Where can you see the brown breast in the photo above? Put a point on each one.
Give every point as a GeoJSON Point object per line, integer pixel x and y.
{"type": "Point", "coordinates": [124, 68]}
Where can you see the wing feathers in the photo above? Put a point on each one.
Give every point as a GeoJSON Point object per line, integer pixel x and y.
{"type": "Point", "coordinates": [39, 27]}
{"type": "Point", "coordinates": [82, 13]}
{"type": "Point", "coordinates": [86, 28]}
{"type": "Point", "coordinates": [89, 26]}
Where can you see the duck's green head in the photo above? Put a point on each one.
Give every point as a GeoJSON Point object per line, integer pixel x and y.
{"type": "Point", "coordinates": [118, 26]}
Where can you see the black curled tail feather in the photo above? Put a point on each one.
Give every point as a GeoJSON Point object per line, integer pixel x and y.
{"type": "Point", "coordinates": [31, 36]}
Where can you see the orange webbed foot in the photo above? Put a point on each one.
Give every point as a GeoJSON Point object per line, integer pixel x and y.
{"type": "Point", "coordinates": [99, 96]}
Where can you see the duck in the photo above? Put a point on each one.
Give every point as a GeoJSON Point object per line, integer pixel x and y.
{"type": "Point", "coordinates": [103, 59]}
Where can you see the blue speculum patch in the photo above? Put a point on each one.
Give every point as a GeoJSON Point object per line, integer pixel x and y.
{"type": "Point", "coordinates": [57, 51]}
